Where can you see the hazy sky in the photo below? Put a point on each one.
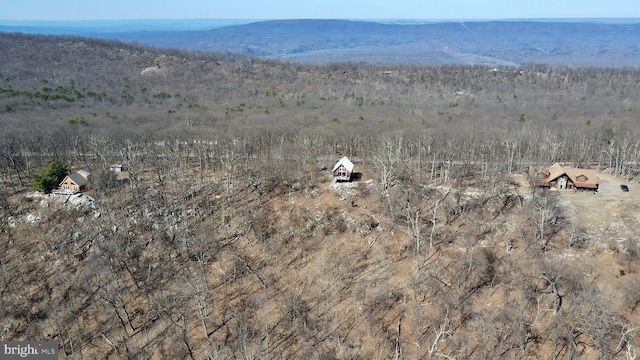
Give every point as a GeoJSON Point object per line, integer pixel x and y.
{"type": "Point", "coordinates": [308, 9]}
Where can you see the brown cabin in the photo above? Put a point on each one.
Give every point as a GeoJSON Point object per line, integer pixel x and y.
{"type": "Point", "coordinates": [560, 178]}
{"type": "Point", "coordinates": [75, 182]}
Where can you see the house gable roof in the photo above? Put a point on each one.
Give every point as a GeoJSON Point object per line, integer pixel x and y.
{"type": "Point", "coordinates": [76, 178]}
{"type": "Point", "coordinates": [344, 162]}
{"type": "Point", "coordinates": [584, 178]}
{"type": "Point", "coordinates": [84, 173]}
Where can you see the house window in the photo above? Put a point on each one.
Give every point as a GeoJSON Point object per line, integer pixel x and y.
{"type": "Point", "coordinates": [342, 172]}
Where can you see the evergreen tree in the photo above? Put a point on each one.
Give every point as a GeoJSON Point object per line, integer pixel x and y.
{"type": "Point", "coordinates": [50, 176]}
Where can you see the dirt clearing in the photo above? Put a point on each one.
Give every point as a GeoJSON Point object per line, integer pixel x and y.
{"type": "Point", "coordinates": [607, 215]}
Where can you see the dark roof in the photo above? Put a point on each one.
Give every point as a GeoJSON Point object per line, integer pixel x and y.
{"type": "Point", "coordinates": [77, 178]}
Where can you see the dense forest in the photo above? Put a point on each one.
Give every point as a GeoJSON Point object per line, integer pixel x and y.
{"type": "Point", "coordinates": [227, 239]}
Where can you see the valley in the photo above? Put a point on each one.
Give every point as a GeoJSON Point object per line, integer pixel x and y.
{"type": "Point", "coordinates": [227, 237]}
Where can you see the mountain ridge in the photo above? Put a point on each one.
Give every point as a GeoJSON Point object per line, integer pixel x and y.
{"type": "Point", "coordinates": [494, 43]}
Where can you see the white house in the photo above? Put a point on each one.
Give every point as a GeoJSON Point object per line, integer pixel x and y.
{"type": "Point", "coordinates": [343, 169]}
{"type": "Point", "coordinates": [116, 168]}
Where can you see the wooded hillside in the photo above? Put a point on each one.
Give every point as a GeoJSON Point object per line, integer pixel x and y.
{"type": "Point", "coordinates": [226, 239]}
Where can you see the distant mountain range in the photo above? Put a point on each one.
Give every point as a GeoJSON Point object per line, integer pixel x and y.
{"type": "Point", "coordinates": [494, 43]}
